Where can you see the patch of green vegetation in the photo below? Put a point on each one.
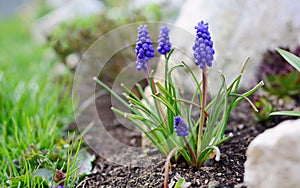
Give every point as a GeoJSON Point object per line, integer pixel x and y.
{"type": "Point", "coordinates": [33, 113]}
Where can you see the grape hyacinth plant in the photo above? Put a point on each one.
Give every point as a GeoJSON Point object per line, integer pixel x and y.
{"type": "Point", "coordinates": [144, 48]}
{"type": "Point", "coordinates": [167, 119]}
{"type": "Point", "coordinates": [203, 47]}
{"type": "Point", "coordinates": [164, 44]}
{"type": "Point", "coordinates": [180, 127]}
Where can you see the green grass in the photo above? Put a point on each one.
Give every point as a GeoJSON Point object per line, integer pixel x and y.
{"type": "Point", "coordinates": [33, 110]}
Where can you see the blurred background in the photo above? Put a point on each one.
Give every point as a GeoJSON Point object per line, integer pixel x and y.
{"type": "Point", "coordinates": [68, 27]}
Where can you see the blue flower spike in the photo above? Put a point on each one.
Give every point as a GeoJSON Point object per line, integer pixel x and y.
{"type": "Point", "coordinates": [203, 47]}
{"type": "Point", "coordinates": [180, 127]}
{"type": "Point", "coordinates": [164, 45]}
{"type": "Point", "coordinates": [144, 48]}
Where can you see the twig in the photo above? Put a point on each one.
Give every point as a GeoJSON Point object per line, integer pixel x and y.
{"type": "Point", "coordinates": [167, 164]}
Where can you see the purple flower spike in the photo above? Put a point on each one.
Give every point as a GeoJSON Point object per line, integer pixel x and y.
{"type": "Point", "coordinates": [164, 45]}
{"type": "Point", "coordinates": [180, 127]}
{"type": "Point", "coordinates": [203, 47]}
{"type": "Point", "coordinates": [144, 48]}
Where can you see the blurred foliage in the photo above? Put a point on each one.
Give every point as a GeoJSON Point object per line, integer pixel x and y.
{"type": "Point", "coordinates": [264, 106]}
{"type": "Point", "coordinates": [152, 11]}
{"type": "Point", "coordinates": [76, 36]}
{"type": "Point", "coordinates": [280, 78]}
{"type": "Point", "coordinates": [282, 86]}
{"type": "Point", "coordinates": [42, 8]}
{"type": "Point", "coordinates": [295, 62]}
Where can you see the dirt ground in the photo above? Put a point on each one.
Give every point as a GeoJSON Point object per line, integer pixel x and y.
{"type": "Point", "coordinates": [228, 172]}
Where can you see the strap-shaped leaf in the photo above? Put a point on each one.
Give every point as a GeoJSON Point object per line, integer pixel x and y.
{"type": "Point", "coordinates": [290, 58]}
{"type": "Point", "coordinates": [285, 113]}
{"type": "Point", "coordinates": [161, 98]}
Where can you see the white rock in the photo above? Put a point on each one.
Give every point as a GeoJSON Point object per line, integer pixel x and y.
{"type": "Point", "coordinates": [241, 29]}
{"type": "Point", "coordinates": [273, 157]}
{"type": "Point", "coordinates": [68, 11]}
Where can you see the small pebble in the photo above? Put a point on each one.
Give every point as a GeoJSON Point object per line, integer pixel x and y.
{"type": "Point", "coordinates": [241, 126]}
{"type": "Point", "coordinates": [132, 141]}
{"type": "Point", "coordinates": [213, 184]}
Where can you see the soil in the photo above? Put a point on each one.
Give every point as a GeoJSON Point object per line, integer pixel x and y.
{"type": "Point", "coordinates": [228, 172]}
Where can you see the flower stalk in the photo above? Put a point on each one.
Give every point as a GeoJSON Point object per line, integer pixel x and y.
{"type": "Point", "coordinates": [204, 55]}
{"type": "Point", "coordinates": [202, 114]}
{"type": "Point", "coordinates": [190, 150]}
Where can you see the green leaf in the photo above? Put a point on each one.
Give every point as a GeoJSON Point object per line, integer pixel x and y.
{"type": "Point", "coordinates": [128, 91]}
{"type": "Point", "coordinates": [153, 137]}
{"type": "Point", "coordinates": [218, 112]}
{"type": "Point", "coordinates": [181, 183]}
{"type": "Point", "coordinates": [245, 95]}
{"type": "Point", "coordinates": [167, 67]}
{"type": "Point", "coordinates": [84, 162]}
{"type": "Point", "coordinates": [246, 98]}
{"type": "Point", "coordinates": [193, 75]}
{"type": "Point", "coordinates": [165, 102]}
{"type": "Point", "coordinates": [235, 84]}
{"type": "Point", "coordinates": [27, 180]}
{"type": "Point", "coordinates": [290, 58]}
{"type": "Point", "coordinates": [142, 93]}
{"type": "Point", "coordinates": [285, 113]}
{"type": "Point", "coordinates": [104, 86]}
{"type": "Point", "coordinates": [163, 90]}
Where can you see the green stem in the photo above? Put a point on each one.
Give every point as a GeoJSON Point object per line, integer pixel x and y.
{"type": "Point", "coordinates": [150, 82]}
{"type": "Point", "coordinates": [202, 115]}
{"type": "Point", "coordinates": [166, 72]}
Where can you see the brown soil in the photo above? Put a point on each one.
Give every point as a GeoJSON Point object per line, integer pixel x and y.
{"type": "Point", "coordinates": [228, 172]}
